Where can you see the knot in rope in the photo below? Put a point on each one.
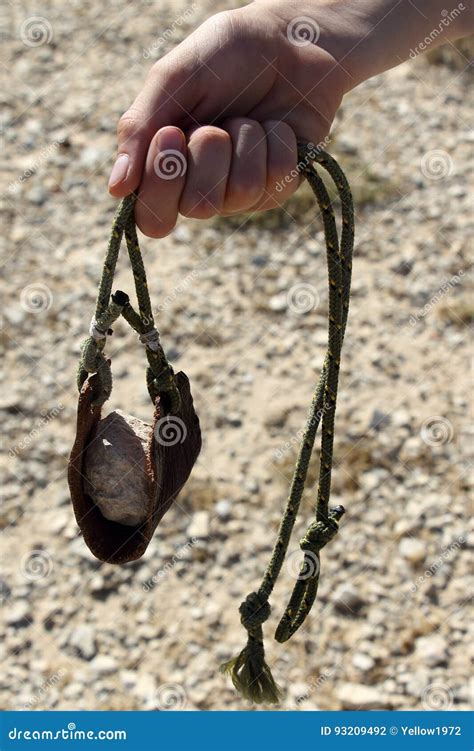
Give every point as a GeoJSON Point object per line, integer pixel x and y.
{"type": "Point", "coordinates": [95, 332]}
{"type": "Point", "coordinates": [151, 339]}
{"type": "Point", "coordinates": [249, 671]}
{"type": "Point", "coordinates": [160, 375]}
{"type": "Point", "coordinates": [320, 532]}
{"type": "Point", "coordinates": [254, 611]}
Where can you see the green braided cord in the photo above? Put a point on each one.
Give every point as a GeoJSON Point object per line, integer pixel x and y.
{"type": "Point", "coordinates": [160, 375]}
{"type": "Point", "coordinates": [249, 671]}
{"type": "Point", "coordinates": [326, 524]}
{"type": "Point", "coordinates": [139, 274]}
{"type": "Point", "coordinates": [92, 357]}
{"type": "Point", "coordinates": [108, 271]}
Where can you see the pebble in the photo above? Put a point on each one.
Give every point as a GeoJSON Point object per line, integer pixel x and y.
{"type": "Point", "coordinates": [114, 468]}
{"type": "Point", "coordinates": [278, 303]}
{"type": "Point", "coordinates": [221, 297]}
{"type": "Point", "coordinates": [412, 549]}
{"type": "Point", "coordinates": [347, 600]}
{"type": "Point", "coordinates": [82, 639]}
{"type": "Point", "coordinates": [18, 614]}
{"type": "Point", "coordinates": [223, 509]}
{"type": "Point", "coordinates": [363, 662]}
{"type": "Point", "coordinates": [104, 664]}
{"type": "Point", "coordinates": [357, 696]}
{"type": "Point", "coordinates": [199, 526]}
{"type": "Point", "coordinates": [432, 650]}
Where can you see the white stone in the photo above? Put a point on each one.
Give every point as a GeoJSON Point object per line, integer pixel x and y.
{"type": "Point", "coordinates": [104, 664]}
{"type": "Point", "coordinates": [363, 662]}
{"type": "Point", "coordinates": [114, 468]}
{"type": "Point", "coordinates": [18, 614]}
{"type": "Point", "coordinates": [412, 549]}
{"type": "Point", "coordinates": [224, 509]}
{"type": "Point", "coordinates": [82, 639]}
{"type": "Point", "coordinates": [357, 696]}
{"type": "Point", "coordinates": [432, 650]}
{"type": "Point", "coordinates": [199, 526]}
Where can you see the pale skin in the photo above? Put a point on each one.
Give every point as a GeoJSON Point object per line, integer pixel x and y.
{"type": "Point", "coordinates": [236, 95]}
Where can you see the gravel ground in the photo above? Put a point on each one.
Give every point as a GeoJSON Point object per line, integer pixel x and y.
{"type": "Point", "coordinates": [390, 628]}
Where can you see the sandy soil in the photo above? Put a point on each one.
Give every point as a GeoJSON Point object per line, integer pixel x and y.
{"type": "Point", "coordinates": [390, 628]}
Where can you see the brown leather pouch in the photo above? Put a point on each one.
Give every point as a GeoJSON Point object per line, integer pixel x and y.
{"type": "Point", "coordinates": [168, 466]}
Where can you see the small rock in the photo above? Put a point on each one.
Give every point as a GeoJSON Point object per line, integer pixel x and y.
{"type": "Point", "coordinates": [278, 303]}
{"type": "Point", "coordinates": [182, 234]}
{"type": "Point", "coordinates": [104, 664]}
{"type": "Point", "coordinates": [5, 590]}
{"type": "Point", "coordinates": [199, 526]}
{"type": "Point", "coordinates": [432, 650]}
{"type": "Point", "coordinates": [18, 614]}
{"type": "Point", "coordinates": [412, 549]}
{"type": "Point", "coordinates": [129, 678]}
{"type": "Point", "coordinates": [412, 449]}
{"type": "Point", "coordinates": [363, 662]}
{"type": "Point", "coordinates": [347, 600]}
{"type": "Point", "coordinates": [357, 696]}
{"type": "Point", "coordinates": [83, 641]}
{"type": "Point", "coordinates": [403, 267]}
{"type": "Point", "coordinates": [379, 420]}
{"type": "Point", "coordinates": [37, 195]}
{"type": "Point", "coordinates": [223, 509]}
{"type": "Point", "coordinates": [277, 414]}
{"type": "Point", "coordinates": [115, 468]}
{"type": "Point", "coordinates": [145, 689]}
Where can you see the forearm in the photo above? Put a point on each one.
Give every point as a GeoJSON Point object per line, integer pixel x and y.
{"type": "Point", "coordinates": [367, 37]}
{"type": "Point", "coordinates": [385, 33]}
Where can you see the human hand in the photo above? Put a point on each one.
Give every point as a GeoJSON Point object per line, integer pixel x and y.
{"type": "Point", "coordinates": [215, 127]}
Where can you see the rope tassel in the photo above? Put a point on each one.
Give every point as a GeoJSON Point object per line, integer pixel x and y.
{"type": "Point", "coordinates": [250, 674]}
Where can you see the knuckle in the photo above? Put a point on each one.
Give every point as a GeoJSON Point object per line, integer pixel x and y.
{"type": "Point", "coordinates": [129, 125]}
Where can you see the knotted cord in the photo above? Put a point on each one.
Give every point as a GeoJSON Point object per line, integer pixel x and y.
{"type": "Point", "coordinates": [249, 672]}
{"type": "Point", "coordinates": [159, 376]}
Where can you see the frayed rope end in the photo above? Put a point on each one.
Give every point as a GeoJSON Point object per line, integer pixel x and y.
{"type": "Point", "coordinates": [250, 673]}
{"type": "Point", "coordinates": [252, 678]}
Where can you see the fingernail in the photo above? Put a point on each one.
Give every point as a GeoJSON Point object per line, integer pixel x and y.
{"type": "Point", "coordinates": [170, 139]}
{"type": "Point", "coordinates": [170, 161]}
{"type": "Point", "coordinates": [119, 170]}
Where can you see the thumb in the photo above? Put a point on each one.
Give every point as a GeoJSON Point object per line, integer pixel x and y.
{"type": "Point", "coordinates": [171, 92]}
